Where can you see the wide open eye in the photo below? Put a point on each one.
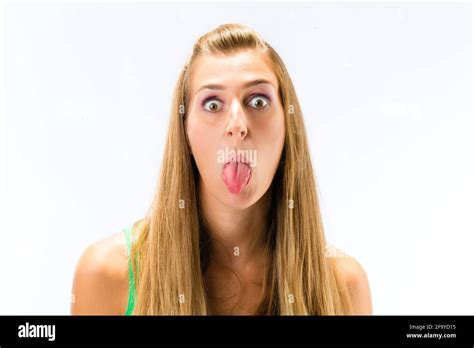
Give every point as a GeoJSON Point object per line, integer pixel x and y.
{"type": "Point", "coordinates": [212, 105]}
{"type": "Point", "coordinates": [259, 102]}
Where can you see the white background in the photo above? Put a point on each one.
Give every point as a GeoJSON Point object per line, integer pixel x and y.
{"type": "Point", "coordinates": [386, 91]}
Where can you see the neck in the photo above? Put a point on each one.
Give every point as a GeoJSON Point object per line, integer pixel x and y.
{"type": "Point", "coordinates": [237, 235]}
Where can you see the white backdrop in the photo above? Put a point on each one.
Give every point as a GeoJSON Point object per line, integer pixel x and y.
{"type": "Point", "coordinates": [386, 91]}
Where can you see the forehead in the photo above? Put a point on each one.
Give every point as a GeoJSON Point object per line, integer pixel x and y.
{"type": "Point", "coordinates": [231, 68]}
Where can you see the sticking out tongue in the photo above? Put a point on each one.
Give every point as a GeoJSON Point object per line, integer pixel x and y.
{"type": "Point", "coordinates": [236, 176]}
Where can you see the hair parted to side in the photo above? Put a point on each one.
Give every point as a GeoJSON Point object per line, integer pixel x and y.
{"type": "Point", "coordinates": [170, 254]}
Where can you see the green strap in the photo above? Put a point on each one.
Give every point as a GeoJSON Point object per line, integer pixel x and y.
{"type": "Point", "coordinates": [132, 293]}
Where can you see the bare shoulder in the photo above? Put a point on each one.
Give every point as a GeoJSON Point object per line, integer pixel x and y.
{"type": "Point", "coordinates": [100, 285]}
{"type": "Point", "coordinates": [356, 280]}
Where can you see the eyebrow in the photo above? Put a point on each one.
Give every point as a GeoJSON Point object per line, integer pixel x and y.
{"type": "Point", "coordinates": [246, 85]}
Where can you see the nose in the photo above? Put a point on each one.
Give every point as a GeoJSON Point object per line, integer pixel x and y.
{"type": "Point", "coordinates": [236, 128]}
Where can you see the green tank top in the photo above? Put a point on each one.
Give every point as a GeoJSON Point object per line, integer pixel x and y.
{"type": "Point", "coordinates": [132, 292]}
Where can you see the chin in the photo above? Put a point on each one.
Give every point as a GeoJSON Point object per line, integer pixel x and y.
{"type": "Point", "coordinates": [242, 200]}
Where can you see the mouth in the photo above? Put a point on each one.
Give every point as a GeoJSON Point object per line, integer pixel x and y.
{"type": "Point", "coordinates": [236, 175]}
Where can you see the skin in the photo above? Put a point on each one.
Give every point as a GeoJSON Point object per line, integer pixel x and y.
{"type": "Point", "coordinates": [229, 114]}
{"type": "Point", "coordinates": [100, 284]}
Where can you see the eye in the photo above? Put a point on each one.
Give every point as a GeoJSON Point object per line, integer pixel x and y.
{"type": "Point", "coordinates": [259, 102]}
{"type": "Point", "coordinates": [212, 105]}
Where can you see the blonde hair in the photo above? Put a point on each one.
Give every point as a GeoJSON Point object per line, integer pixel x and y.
{"type": "Point", "coordinates": [170, 255]}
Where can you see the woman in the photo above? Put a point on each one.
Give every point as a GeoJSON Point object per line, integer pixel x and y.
{"type": "Point", "coordinates": [235, 225]}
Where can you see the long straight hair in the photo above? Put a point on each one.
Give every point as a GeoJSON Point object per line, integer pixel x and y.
{"type": "Point", "coordinates": [170, 253]}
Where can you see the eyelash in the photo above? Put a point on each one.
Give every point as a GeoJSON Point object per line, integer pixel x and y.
{"type": "Point", "coordinates": [214, 97]}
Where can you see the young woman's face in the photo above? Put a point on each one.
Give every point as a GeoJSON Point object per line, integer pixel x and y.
{"type": "Point", "coordinates": [235, 115]}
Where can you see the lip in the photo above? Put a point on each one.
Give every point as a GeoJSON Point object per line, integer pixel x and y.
{"type": "Point", "coordinates": [240, 162]}
{"type": "Point", "coordinates": [240, 159]}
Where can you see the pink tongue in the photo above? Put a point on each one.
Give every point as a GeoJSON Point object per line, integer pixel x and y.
{"type": "Point", "coordinates": [236, 176]}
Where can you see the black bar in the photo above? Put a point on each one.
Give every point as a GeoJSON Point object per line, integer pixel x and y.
{"type": "Point", "coordinates": [224, 330]}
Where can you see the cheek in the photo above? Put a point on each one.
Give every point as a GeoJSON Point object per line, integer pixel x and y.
{"type": "Point", "coordinates": [272, 137]}
{"type": "Point", "coordinates": [202, 141]}
{"type": "Point", "coordinates": [270, 144]}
